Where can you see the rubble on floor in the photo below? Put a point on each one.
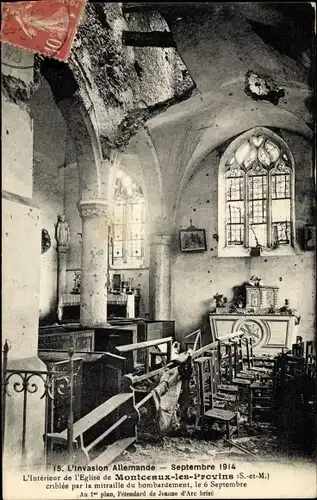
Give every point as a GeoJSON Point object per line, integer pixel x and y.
{"type": "Point", "coordinates": [186, 442]}
{"type": "Point", "coordinates": [263, 446]}
{"type": "Point", "coordinates": [259, 440]}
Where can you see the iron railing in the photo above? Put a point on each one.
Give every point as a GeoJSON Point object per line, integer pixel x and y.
{"type": "Point", "coordinates": [30, 382]}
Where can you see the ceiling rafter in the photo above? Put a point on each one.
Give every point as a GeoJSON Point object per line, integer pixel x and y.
{"type": "Point", "coordinates": [148, 39]}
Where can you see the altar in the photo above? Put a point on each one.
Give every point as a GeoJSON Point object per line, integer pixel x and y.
{"type": "Point", "coordinates": [254, 311]}
{"type": "Point", "coordinates": [122, 302]}
{"type": "Point", "coordinates": [270, 332]}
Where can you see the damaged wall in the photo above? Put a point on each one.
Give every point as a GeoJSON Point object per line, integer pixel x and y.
{"type": "Point", "coordinates": [241, 81]}
{"type": "Point", "coordinates": [17, 128]}
{"type": "Point", "coordinates": [197, 277]}
{"type": "Point", "coordinates": [20, 222]}
{"type": "Point", "coordinates": [21, 251]}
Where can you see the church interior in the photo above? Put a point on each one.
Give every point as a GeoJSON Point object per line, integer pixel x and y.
{"type": "Point", "coordinates": [158, 233]}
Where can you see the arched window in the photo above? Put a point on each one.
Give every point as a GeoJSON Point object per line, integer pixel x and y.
{"type": "Point", "coordinates": [127, 234]}
{"type": "Point", "coordinates": [256, 195]}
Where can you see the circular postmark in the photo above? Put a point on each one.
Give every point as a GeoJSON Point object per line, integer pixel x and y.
{"type": "Point", "coordinates": [14, 57]}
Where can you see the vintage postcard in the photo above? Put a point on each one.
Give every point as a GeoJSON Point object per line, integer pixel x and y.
{"type": "Point", "coordinates": [158, 244]}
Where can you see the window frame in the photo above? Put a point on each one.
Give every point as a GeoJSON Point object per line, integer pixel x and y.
{"type": "Point", "coordinates": [243, 250]}
{"type": "Point", "coordinates": [126, 262]}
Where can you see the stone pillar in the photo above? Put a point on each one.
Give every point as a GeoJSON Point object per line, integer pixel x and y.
{"type": "Point", "coordinates": [62, 280]}
{"type": "Point", "coordinates": [94, 262]}
{"type": "Point", "coordinates": [62, 260]}
{"type": "Point", "coordinates": [160, 276]}
{"type": "Point", "coordinates": [63, 240]}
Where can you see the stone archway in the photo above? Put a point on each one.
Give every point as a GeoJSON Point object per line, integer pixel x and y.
{"type": "Point", "coordinates": [95, 205]}
{"type": "Point", "coordinates": [159, 229]}
{"type": "Point", "coordinates": [96, 174]}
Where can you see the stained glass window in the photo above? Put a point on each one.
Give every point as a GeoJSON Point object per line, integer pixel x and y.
{"type": "Point", "coordinates": [281, 208]}
{"type": "Point", "coordinates": [257, 204]}
{"type": "Point", "coordinates": [128, 222]}
{"type": "Point", "coordinates": [258, 194]}
{"type": "Point", "coordinates": [235, 209]}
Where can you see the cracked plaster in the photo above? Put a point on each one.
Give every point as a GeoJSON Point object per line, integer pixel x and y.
{"type": "Point", "coordinates": [122, 96]}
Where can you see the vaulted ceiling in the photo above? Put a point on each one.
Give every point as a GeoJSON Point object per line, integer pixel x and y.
{"type": "Point", "coordinates": [251, 65]}
{"type": "Point", "coordinates": [168, 83]}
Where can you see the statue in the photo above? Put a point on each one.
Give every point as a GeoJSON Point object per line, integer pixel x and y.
{"type": "Point", "coordinates": [62, 231]}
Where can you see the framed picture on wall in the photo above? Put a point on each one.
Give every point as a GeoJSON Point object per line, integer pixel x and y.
{"type": "Point", "coordinates": [310, 237]}
{"type": "Point", "coordinates": [192, 240]}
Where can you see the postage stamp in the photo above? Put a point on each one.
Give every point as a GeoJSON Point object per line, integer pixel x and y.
{"type": "Point", "coordinates": [47, 27]}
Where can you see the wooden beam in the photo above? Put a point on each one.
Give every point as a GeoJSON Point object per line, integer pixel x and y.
{"type": "Point", "coordinates": [143, 345]}
{"type": "Point", "coordinates": [135, 7]}
{"type": "Point", "coordinates": [162, 39]}
{"type": "Point", "coordinates": [269, 15]}
{"type": "Point", "coordinates": [128, 8]}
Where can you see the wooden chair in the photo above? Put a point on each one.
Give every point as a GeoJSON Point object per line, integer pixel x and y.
{"type": "Point", "coordinates": [225, 361]}
{"type": "Point", "coordinates": [261, 371]}
{"type": "Point", "coordinates": [222, 392]}
{"type": "Point", "coordinates": [298, 348]}
{"type": "Point", "coordinates": [206, 351]}
{"type": "Point", "coordinates": [292, 365]}
{"type": "Point", "coordinates": [157, 358]}
{"type": "Point", "coordinates": [286, 367]}
{"type": "Point", "coordinates": [242, 378]}
{"type": "Point", "coordinates": [294, 400]}
{"type": "Point", "coordinates": [213, 404]}
{"type": "Point", "coordinates": [310, 357]}
{"type": "Point", "coordinates": [260, 399]}
{"type": "Point", "coordinates": [204, 381]}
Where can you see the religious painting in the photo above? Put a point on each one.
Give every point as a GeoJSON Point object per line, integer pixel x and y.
{"type": "Point", "coordinates": [193, 240]}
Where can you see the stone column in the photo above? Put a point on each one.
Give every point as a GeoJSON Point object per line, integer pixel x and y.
{"type": "Point", "coordinates": [94, 262]}
{"type": "Point", "coordinates": [63, 240]}
{"type": "Point", "coordinates": [62, 281]}
{"type": "Point", "coordinates": [160, 276]}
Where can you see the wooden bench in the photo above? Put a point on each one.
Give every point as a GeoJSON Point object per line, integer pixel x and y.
{"type": "Point", "coordinates": [75, 437]}
{"type": "Point", "coordinates": [195, 340]}
{"type": "Point", "coordinates": [123, 349]}
{"type": "Point", "coordinates": [101, 377]}
{"type": "Point", "coordinates": [113, 451]}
